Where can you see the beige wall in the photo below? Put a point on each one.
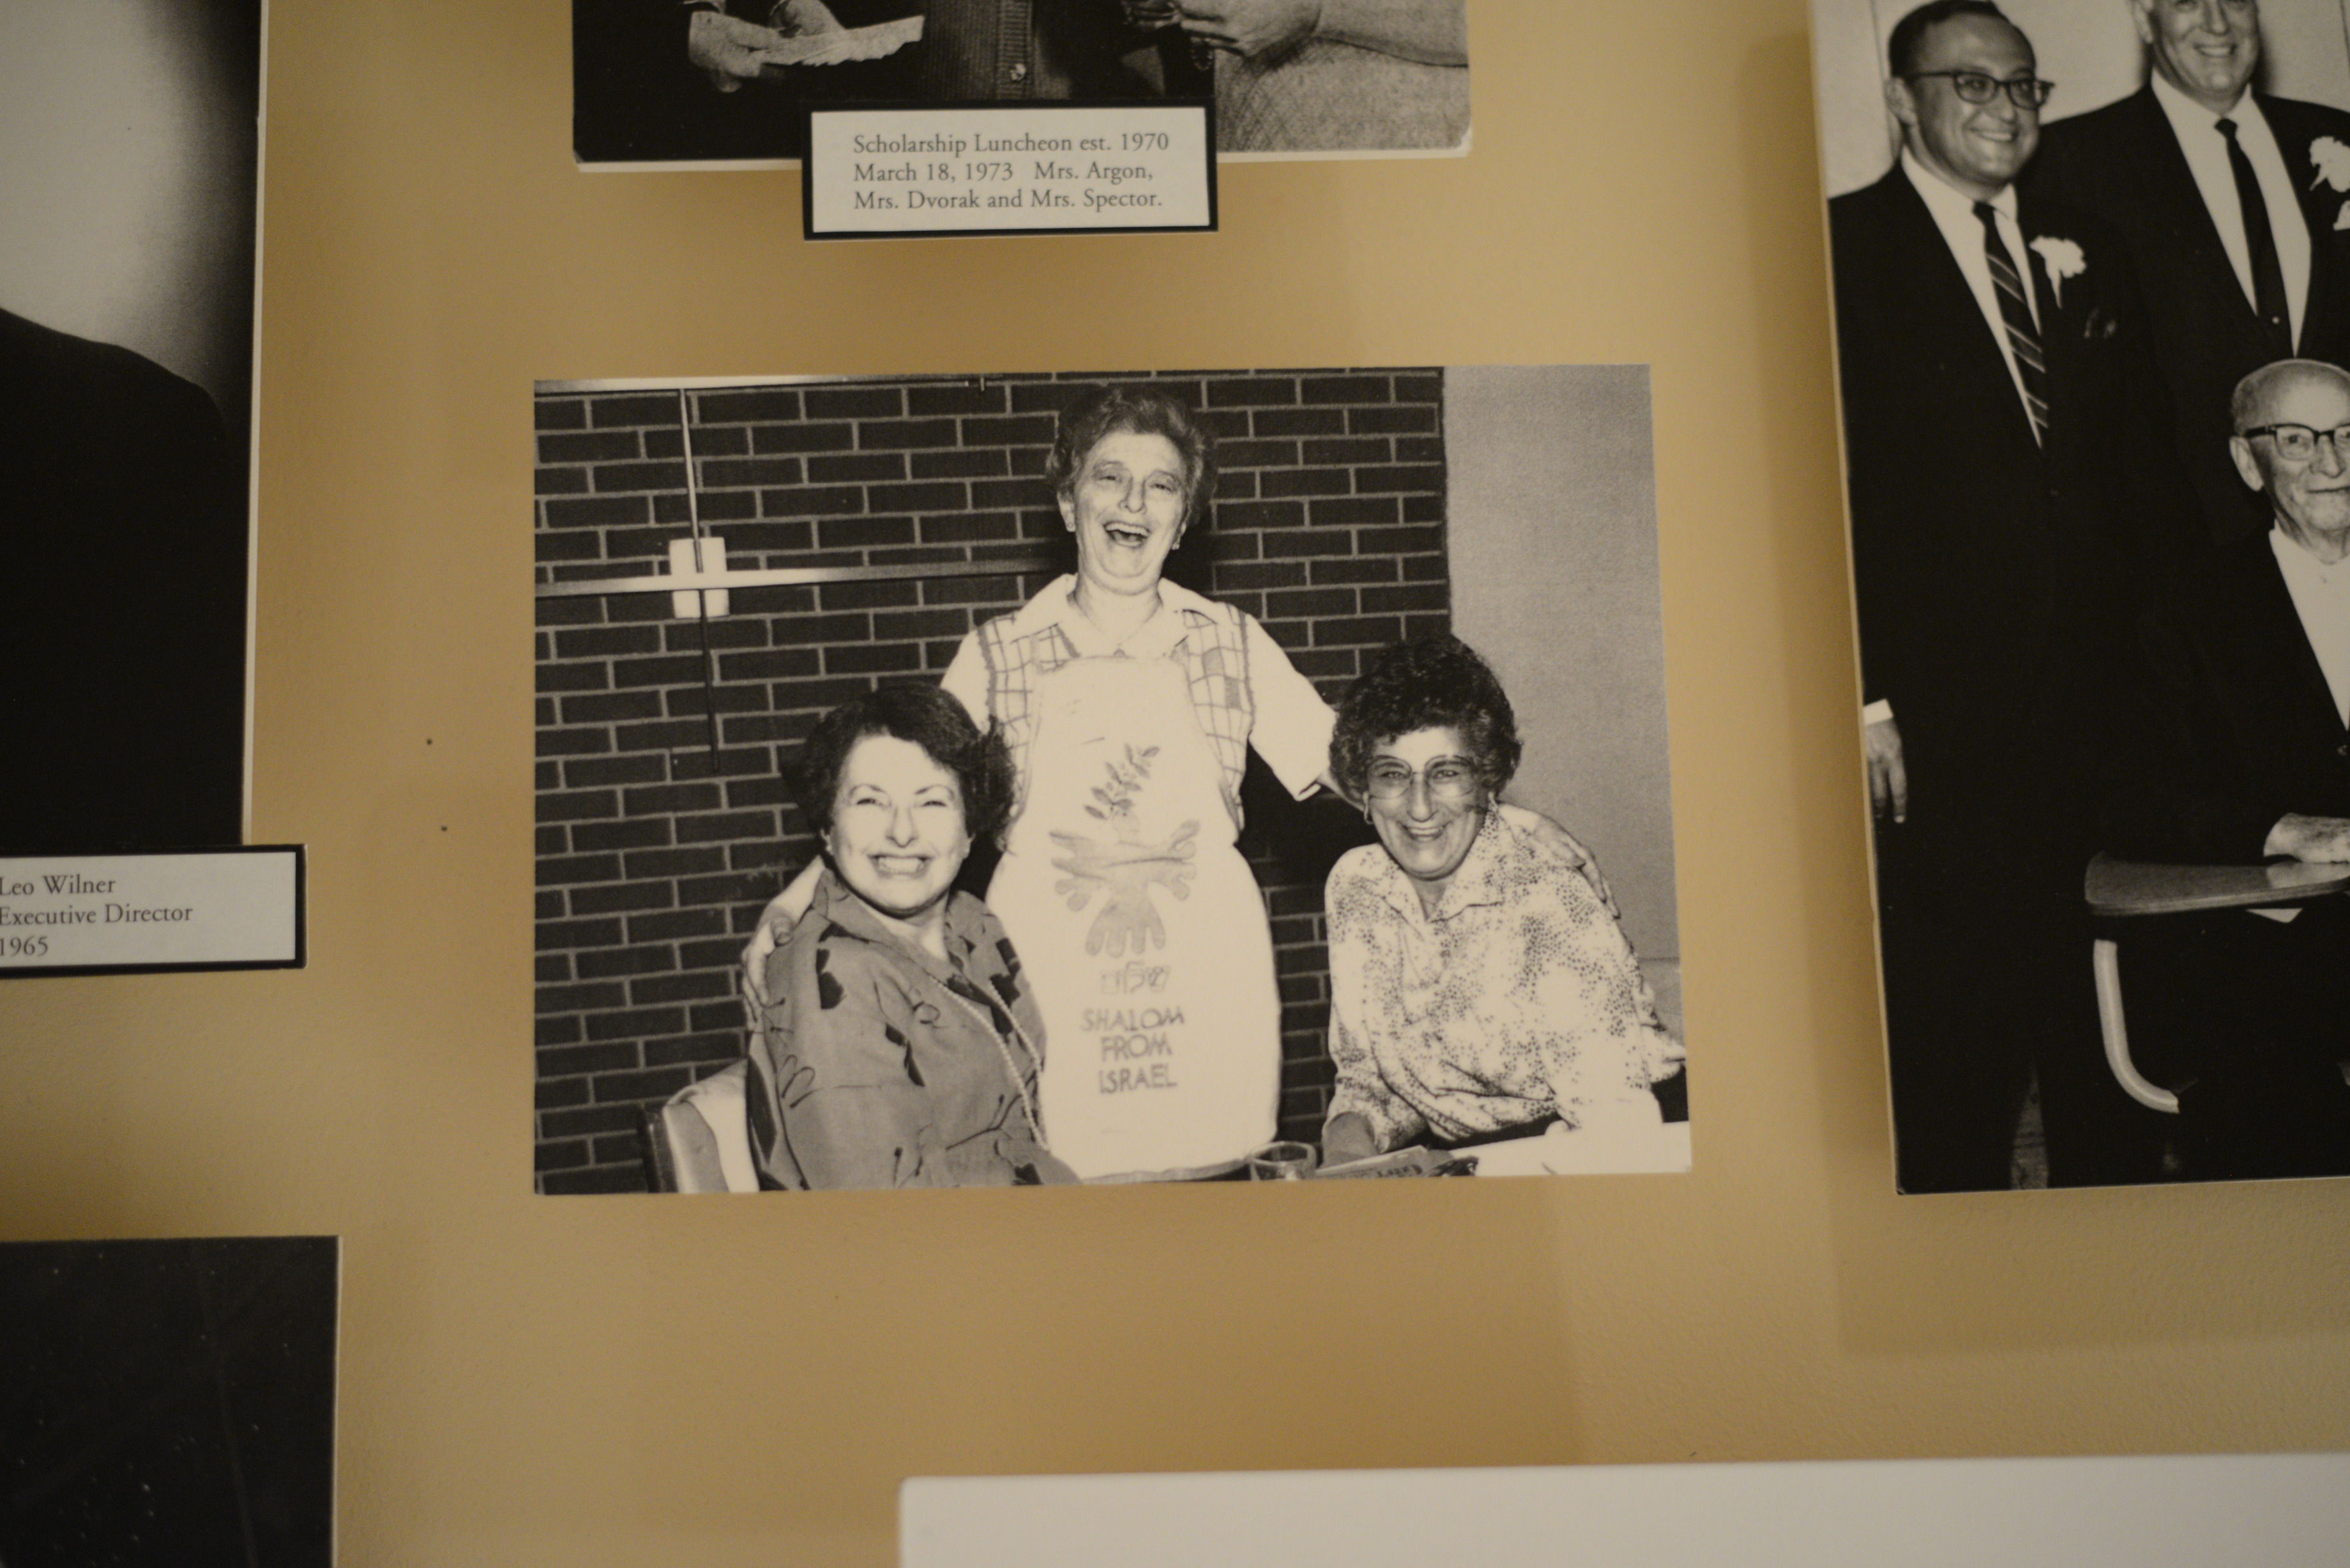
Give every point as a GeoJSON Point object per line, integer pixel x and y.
{"type": "Point", "coordinates": [711, 1381]}
{"type": "Point", "coordinates": [1552, 526]}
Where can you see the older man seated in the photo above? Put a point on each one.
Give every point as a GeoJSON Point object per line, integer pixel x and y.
{"type": "Point", "coordinates": [2245, 756]}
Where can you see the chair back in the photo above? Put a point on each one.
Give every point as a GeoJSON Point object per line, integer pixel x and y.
{"type": "Point", "coordinates": [699, 1141]}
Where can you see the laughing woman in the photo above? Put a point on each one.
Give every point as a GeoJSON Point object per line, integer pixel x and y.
{"type": "Point", "coordinates": [900, 1044]}
{"type": "Point", "coordinates": [1480, 983]}
{"type": "Point", "coordinates": [1131, 705]}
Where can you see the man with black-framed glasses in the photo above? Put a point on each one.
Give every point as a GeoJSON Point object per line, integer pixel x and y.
{"type": "Point", "coordinates": [1994, 365]}
{"type": "Point", "coordinates": [2241, 755]}
{"type": "Point", "coordinates": [2235, 205]}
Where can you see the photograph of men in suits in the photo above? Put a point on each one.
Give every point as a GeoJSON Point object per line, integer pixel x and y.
{"type": "Point", "coordinates": [2232, 210]}
{"type": "Point", "coordinates": [2242, 755]}
{"type": "Point", "coordinates": [1993, 368]}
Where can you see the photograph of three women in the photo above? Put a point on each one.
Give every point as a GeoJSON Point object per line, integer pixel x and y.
{"type": "Point", "coordinates": [1165, 775]}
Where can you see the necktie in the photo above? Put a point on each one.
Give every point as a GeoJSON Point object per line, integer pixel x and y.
{"type": "Point", "coordinates": [2015, 310]}
{"type": "Point", "coordinates": [2268, 276]}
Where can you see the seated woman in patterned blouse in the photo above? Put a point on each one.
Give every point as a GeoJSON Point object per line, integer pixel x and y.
{"type": "Point", "coordinates": [1479, 980]}
{"type": "Point", "coordinates": [900, 1044]}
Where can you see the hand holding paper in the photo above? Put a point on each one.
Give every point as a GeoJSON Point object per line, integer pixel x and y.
{"type": "Point", "coordinates": [826, 42]}
{"type": "Point", "coordinates": [727, 48]}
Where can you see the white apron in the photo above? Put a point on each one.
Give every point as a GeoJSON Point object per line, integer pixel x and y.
{"type": "Point", "coordinates": [1146, 946]}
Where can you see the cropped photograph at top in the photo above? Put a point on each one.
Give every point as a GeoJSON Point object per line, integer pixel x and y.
{"type": "Point", "coordinates": [2092, 301]}
{"type": "Point", "coordinates": [1100, 778]}
{"type": "Point", "coordinates": [128, 225]}
{"type": "Point", "coordinates": [722, 81]}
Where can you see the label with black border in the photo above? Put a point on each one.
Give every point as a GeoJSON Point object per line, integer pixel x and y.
{"type": "Point", "coordinates": [904, 171]}
{"type": "Point", "coordinates": [162, 911]}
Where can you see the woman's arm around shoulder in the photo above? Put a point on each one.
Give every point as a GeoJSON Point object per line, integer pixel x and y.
{"type": "Point", "coordinates": [1292, 728]}
{"type": "Point", "coordinates": [1548, 838]}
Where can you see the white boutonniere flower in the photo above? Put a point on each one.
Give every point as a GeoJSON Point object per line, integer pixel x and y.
{"type": "Point", "coordinates": [2062, 258]}
{"type": "Point", "coordinates": [2332, 160]}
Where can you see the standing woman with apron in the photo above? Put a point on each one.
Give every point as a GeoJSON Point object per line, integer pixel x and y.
{"type": "Point", "coordinates": [1130, 704]}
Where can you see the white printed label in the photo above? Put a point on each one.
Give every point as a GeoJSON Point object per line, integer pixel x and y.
{"type": "Point", "coordinates": [195, 910]}
{"type": "Point", "coordinates": [1021, 168]}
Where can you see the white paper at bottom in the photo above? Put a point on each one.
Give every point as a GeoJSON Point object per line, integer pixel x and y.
{"type": "Point", "coordinates": [209, 909]}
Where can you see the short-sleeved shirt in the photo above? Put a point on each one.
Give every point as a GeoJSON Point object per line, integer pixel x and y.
{"type": "Point", "coordinates": [877, 1067]}
{"type": "Point", "coordinates": [1275, 709]}
{"type": "Point", "coordinates": [1519, 997]}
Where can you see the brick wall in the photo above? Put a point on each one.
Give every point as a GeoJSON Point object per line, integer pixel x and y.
{"type": "Point", "coordinates": [657, 847]}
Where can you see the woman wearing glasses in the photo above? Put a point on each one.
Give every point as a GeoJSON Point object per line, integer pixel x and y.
{"type": "Point", "coordinates": [1479, 980]}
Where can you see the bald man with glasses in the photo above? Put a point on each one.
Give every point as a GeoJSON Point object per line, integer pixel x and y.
{"type": "Point", "coordinates": [1992, 368]}
{"type": "Point", "coordinates": [2242, 755]}
{"type": "Point", "coordinates": [2235, 208]}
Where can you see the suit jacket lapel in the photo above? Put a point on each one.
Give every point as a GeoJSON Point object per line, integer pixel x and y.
{"type": "Point", "coordinates": [1953, 299]}
{"type": "Point", "coordinates": [2273, 607]}
{"type": "Point", "coordinates": [2172, 185]}
{"type": "Point", "coordinates": [2320, 207]}
{"type": "Point", "coordinates": [2062, 306]}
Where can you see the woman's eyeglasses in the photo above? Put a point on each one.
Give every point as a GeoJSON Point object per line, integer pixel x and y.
{"type": "Point", "coordinates": [1974, 87]}
{"type": "Point", "coordinates": [1449, 779]}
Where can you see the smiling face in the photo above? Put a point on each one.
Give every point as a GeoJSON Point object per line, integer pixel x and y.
{"type": "Point", "coordinates": [2204, 48]}
{"type": "Point", "coordinates": [897, 837]}
{"type": "Point", "coordinates": [1127, 503]}
{"type": "Point", "coordinates": [2311, 494]}
{"type": "Point", "coordinates": [1427, 835]}
{"type": "Point", "coordinates": [1977, 148]}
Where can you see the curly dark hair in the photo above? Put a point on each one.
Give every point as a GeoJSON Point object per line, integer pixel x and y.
{"type": "Point", "coordinates": [1907, 40]}
{"type": "Point", "coordinates": [1428, 682]}
{"type": "Point", "coordinates": [1151, 410]}
{"type": "Point", "coordinates": [932, 719]}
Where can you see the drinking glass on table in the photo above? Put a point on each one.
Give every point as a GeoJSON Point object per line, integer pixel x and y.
{"type": "Point", "coordinates": [1282, 1161]}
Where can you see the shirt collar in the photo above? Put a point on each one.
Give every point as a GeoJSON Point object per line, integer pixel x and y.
{"type": "Point", "coordinates": [834, 903]}
{"type": "Point", "coordinates": [1476, 883]}
{"type": "Point", "coordinates": [2189, 119]}
{"type": "Point", "coordinates": [2295, 560]}
{"type": "Point", "coordinates": [1180, 609]}
{"type": "Point", "coordinates": [1946, 199]}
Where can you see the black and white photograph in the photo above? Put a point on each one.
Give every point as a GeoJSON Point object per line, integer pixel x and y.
{"type": "Point", "coordinates": [128, 224]}
{"type": "Point", "coordinates": [168, 1403]}
{"type": "Point", "coordinates": [2092, 301]}
{"type": "Point", "coordinates": [1167, 776]}
{"type": "Point", "coordinates": [722, 81]}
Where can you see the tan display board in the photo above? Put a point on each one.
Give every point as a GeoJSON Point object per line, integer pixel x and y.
{"type": "Point", "coordinates": [536, 1380]}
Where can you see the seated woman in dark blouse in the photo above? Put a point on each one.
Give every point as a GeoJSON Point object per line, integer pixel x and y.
{"type": "Point", "coordinates": [901, 1045]}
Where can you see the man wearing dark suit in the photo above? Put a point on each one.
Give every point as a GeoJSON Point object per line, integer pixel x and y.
{"type": "Point", "coordinates": [2232, 205]}
{"type": "Point", "coordinates": [122, 605]}
{"type": "Point", "coordinates": [2243, 756]}
{"type": "Point", "coordinates": [1991, 369]}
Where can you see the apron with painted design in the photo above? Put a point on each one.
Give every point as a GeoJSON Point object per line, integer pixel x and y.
{"type": "Point", "coordinates": [1141, 929]}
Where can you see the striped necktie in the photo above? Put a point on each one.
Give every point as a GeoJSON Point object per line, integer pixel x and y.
{"type": "Point", "coordinates": [2015, 310]}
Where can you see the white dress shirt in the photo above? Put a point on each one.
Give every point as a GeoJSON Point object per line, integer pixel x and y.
{"type": "Point", "coordinates": [2321, 594]}
{"type": "Point", "coordinates": [1954, 213]}
{"type": "Point", "coordinates": [2197, 129]}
